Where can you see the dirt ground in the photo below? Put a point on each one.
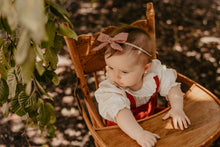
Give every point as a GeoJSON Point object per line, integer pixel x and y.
{"type": "Point", "coordinates": [188, 40]}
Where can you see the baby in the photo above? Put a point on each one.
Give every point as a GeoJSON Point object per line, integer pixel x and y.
{"type": "Point", "coordinates": [133, 79]}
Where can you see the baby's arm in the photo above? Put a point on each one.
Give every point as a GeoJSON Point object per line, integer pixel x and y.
{"type": "Point", "coordinates": [129, 125]}
{"type": "Point", "coordinates": [175, 98]}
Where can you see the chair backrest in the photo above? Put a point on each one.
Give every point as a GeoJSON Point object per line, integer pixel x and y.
{"type": "Point", "coordinates": [86, 61]}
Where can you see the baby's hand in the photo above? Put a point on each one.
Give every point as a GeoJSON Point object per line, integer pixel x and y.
{"type": "Point", "coordinates": [179, 118]}
{"type": "Point", "coordinates": [147, 139]}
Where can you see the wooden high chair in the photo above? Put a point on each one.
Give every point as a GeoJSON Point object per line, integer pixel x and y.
{"type": "Point", "coordinates": [200, 105]}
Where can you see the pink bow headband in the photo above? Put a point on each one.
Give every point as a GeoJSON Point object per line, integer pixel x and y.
{"type": "Point", "coordinates": [114, 42]}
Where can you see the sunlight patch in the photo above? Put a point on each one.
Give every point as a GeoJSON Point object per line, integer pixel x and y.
{"type": "Point", "coordinates": [210, 39]}
{"type": "Point", "coordinates": [69, 112]}
{"type": "Point", "coordinates": [72, 133]}
{"type": "Point", "coordinates": [67, 100]}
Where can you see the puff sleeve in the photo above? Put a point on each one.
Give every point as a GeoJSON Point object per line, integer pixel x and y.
{"type": "Point", "coordinates": [110, 100]}
{"type": "Point", "coordinates": [166, 76]}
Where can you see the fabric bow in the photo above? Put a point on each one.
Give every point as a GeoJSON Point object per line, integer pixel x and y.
{"type": "Point", "coordinates": [114, 42]}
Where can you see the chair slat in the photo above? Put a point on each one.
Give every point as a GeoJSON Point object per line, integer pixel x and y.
{"type": "Point", "coordinates": [96, 80]}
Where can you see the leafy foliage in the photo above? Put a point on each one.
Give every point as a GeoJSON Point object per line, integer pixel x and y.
{"type": "Point", "coordinates": [4, 91]}
{"type": "Point", "coordinates": [29, 44]}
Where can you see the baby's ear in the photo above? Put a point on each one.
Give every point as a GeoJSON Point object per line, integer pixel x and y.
{"type": "Point", "coordinates": [147, 67]}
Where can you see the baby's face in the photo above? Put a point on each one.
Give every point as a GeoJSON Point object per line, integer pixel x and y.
{"type": "Point", "coordinates": [124, 71]}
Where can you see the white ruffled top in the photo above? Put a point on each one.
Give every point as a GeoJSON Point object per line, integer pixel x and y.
{"type": "Point", "coordinates": [112, 99]}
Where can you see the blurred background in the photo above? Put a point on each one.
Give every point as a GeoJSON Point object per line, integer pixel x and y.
{"type": "Point", "coordinates": [188, 40]}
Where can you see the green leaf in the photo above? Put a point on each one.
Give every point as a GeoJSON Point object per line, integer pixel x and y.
{"type": "Point", "coordinates": [2, 43]}
{"type": "Point", "coordinates": [51, 30]}
{"type": "Point", "coordinates": [32, 113]}
{"type": "Point", "coordinates": [28, 66]}
{"type": "Point", "coordinates": [7, 52]}
{"type": "Point", "coordinates": [4, 91]}
{"type": "Point", "coordinates": [8, 10]}
{"type": "Point", "coordinates": [28, 88]}
{"type": "Point", "coordinates": [66, 31]}
{"type": "Point", "coordinates": [32, 17]}
{"type": "Point", "coordinates": [27, 105]}
{"type": "Point", "coordinates": [18, 73]}
{"type": "Point", "coordinates": [58, 44]}
{"type": "Point", "coordinates": [20, 87]}
{"type": "Point", "coordinates": [39, 103]}
{"type": "Point", "coordinates": [22, 98]}
{"type": "Point", "coordinates": [3, 72]}
{"type": "Point", "coordinates": [56, 79]}
{"type": "Point", "coordinates": [38, 52]}
{"type": "Point", "coordinates": [59, 11]}
{"type": "Point", "coordinates": [27, 101]}
{"type": "Point", "coordinates": [4, 24]}
{"type": "Point", "coordinates": [3, 63]}
{"type": "Point", "coordinates": [42, 90]}
{"type": "Point", "coordinates": [46, 77]}
{"type": "Point", "coordinates": [21, 53]}
{"type": "Point", "coordinates": [52, 119]}
{"type": "Point", "coordinates": [46, 111]}
{"type": "Point", "coordinates": [32, 100]}
{"type": "Point", "coordinates": [51, 58]}
{"type": "Point", "coordinates": [1, 25]}
{"type": "Point", "coordinates": [51, 130]}
{"type": "Point", "coordinates": [16, 107]}
{"type": "Point", "coordinates": [2, 58]}
{"type": "Point", "coordinates": [12, 83]}
{"type": "Point", "coordinates": [70, 23]}
{"type": "Point", "coordinates": [58, 8]}
{"type": "Point", "coordinates": [5, 109]}
{"type": "Point", "coordinates": [40, 68]}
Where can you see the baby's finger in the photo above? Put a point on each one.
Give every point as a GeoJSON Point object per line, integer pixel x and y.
{"type": "Point", "coordinates": [148, 144]}
{"type": "Point", "coordinates": [145, 145]}
{"type": "Point", "coordinates": [157, 136]}
{"type": "Point", "coordinates": [188, 120]}
{"type": "Point", "coordinates": [185, 124]}
{"type": "Point", "coordinates": [153, 140]}
{"type": "Point", "coordinates": [180, 123]}
{"type": "Point", "coordinates": [175, 124]}
{"type": "Point", "coordinates": [166, 116]}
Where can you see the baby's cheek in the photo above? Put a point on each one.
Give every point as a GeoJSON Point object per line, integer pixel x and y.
{"type": "Point", "coordinates": [129, 80]}
{"type": "Point", "coordinates": [134, 80]}
{"type": "Point", "coordinates": [111, 75]}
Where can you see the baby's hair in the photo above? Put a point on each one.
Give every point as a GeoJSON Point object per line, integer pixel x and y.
{"type": "Point", "coordinates": [138, 37]}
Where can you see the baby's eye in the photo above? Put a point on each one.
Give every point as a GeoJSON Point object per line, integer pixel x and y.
{"type": "Point", "coordinates": [124, 72]}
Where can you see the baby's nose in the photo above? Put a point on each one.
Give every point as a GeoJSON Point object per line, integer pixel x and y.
{"type": "Point", "coordinates": [117, 75]}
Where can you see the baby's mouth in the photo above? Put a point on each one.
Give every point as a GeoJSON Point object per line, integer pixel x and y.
{"type": "Point", "coordinates": [117, 84]}
{"type": "Point", "coordinates": [120, 85]}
